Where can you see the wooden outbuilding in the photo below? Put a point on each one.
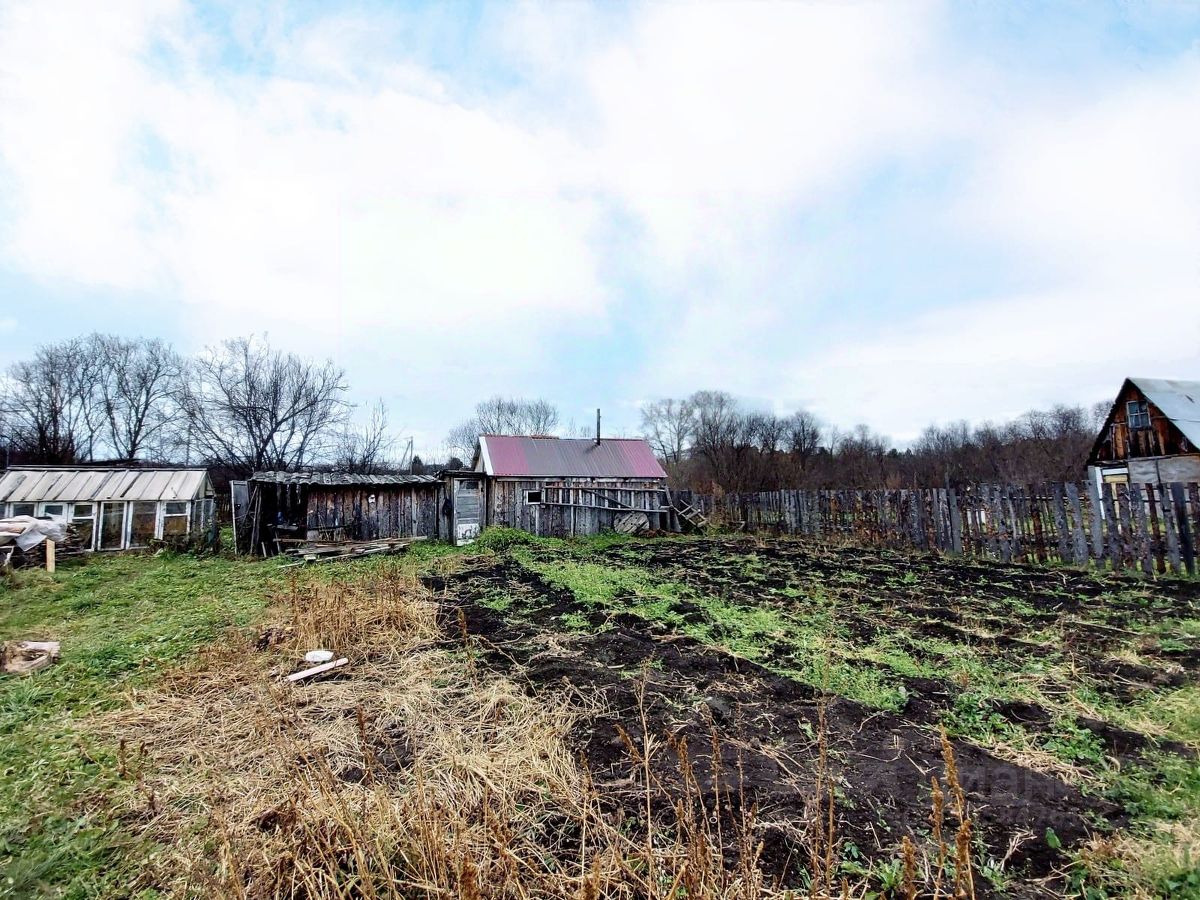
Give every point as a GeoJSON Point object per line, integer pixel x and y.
{"type": "Point", "coordinates": [296, 507]}
{"type": "Point", "coordinates": [563, 487]}
{"type": "Point", "coordinates": [113, 508]}
{"type": "Point", "coordinates": [553, 487]}
{"type": "Point", "coordinates": [1151, 434]}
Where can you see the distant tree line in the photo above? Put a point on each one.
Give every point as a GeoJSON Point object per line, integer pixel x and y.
{"type": "Point", "coordinates": [709, 442]}
{"type": "Point", "coordinates": [242, 405]}
{"type": "Point", "coordinates": [239, 406]}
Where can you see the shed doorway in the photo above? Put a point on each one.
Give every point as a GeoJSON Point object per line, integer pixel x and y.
{"type": "Point", "coordinates": [468, 509]}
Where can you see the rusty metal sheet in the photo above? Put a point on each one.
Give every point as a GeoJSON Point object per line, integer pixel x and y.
{"type": "Point", "coordinates": [549, 457]}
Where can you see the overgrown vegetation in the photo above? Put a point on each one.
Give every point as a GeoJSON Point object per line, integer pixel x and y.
{"type": "Point", "coordinates": [614, 717]}
{"type": "Point", "coordinates": [123, 621]}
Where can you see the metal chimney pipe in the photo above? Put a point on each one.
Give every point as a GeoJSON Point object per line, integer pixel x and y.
{"type": "Point", "coordinates": [597, 427]}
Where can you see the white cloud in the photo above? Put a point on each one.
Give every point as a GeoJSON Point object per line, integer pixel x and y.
{"type": "Point", "coordinates": [1096, 206]}
{"type": "Point", "coordinates": [443, 231]}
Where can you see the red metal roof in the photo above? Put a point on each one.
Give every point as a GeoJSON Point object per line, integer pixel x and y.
{"type": "Point", "coordinates": [537, 457]}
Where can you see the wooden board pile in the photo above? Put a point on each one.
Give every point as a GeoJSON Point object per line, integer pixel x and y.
{"type": "Point", "coordinates": [334, 551]}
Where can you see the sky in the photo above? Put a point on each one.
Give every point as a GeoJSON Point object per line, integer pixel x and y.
{"type": "Point", "coordinates": [892, 214]}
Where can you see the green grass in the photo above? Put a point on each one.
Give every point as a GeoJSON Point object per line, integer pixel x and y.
{"type": "Point", "coordinates": [122, 620]}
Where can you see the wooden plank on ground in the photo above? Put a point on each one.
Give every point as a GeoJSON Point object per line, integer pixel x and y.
{"type": "Point", "coordinates": [317, 670]}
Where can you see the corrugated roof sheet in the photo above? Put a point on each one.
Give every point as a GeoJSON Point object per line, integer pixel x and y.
{"type": "Point", "coordinates": [511, 455]}
{"type": "Point", "coordinates": [1179, 402]}
{"type": "Point", "coordinates": [347, 479]}
{"type": "Point", "coordinates": [32, 484]}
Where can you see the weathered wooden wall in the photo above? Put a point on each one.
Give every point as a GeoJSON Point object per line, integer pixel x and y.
{"type": "Point", "coordinates": [376, 511]}
{"type": "Point", "coordinates": [572, 506]}
{"type": "Point", "coordinates": [1120, 442]}
{"type": "Point", "coordinates": [1150, 527]}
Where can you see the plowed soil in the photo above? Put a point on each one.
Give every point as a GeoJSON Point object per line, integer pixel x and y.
{"type": "Point", "coordinates": [919, 643]}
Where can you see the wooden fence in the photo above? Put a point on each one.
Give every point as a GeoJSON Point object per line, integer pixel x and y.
{"type": "Point", "coordinates": [1153, 527]}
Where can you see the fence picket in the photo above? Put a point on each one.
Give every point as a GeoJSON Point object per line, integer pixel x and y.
{"type": "Point", "coordinates": [1187, 547]}
{"type": "Point", "coordinates": [1142, 538]}
{"type": "Point", "coordinates": [1078, 540]}
{"type": "Point", "coordinates": [1170, 536]}
{"type": "Point", "coordinates": [1152, 528]}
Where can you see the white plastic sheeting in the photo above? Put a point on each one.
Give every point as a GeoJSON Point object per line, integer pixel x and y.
{"type": "Point", "coordinates": [27, 532]}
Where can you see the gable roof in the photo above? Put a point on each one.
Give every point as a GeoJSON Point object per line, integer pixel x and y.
{"type": "Point", "coordinates": [551, 457]}
{"type": "Point", "coordinates": [1179, 401]}
{"type": "Point", "coordinates": [67, 484]}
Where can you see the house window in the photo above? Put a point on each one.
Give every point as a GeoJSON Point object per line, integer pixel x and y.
{"type": "Point", "coordinates": [533, 496]}
{"type": "Point", "coordinates": [175, 518]}
{"type": "Point", "coordinates": [54, 509]}
{"type": "Point", "coordinates": [1138, 413]}
{"type": "Point", "coordinates": [83, 518]}
{"type": "Point", "coordinates": [22, 509]}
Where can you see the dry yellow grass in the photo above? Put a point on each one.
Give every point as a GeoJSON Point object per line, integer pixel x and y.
{"type": "Point", "coordinates": [415, 772]}
{"type": "Point", "coordinates": [410, 773]}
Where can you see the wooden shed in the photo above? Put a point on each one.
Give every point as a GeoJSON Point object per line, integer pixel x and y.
{"type": "Point", "coordinates": [113, 508]}
{"type": "Point", "coordinates": [1151, 434]}
{"type": "Point", "coordinates": [562, 487]}
{"type": "Point", "coordinates": [285, 507]}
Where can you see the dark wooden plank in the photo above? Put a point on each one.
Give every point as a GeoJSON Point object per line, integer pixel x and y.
{"type": "Point", "coordinates": [1125, 533]}
{"type": "Point", "coordinates": [1058, 498]}
{"type": "Point", "coordinates": [1158, 533]}
{"type": "Point", "coordinates": [1170, 537]}
{"type": "Point", "coordinates": [1002, 527]}
{"type": "Point", "coordinates": [956, 523]}
{"type": "Point", "coordinates": [1112, 543]}
{"type": "Point", "coordinates": [1193, 495]}
{"type": "Point", "coordinates": [1078, 538]}
{"type": "Point", "coordinates": [1096, 521]}
{"type": "Point", "coordinates": [1018, 541]}
{"type": "Point", "coordinates": [1187, 545]}
{"type": "Point", "coordinates": [1141, 538]}
{"type": "Point", "coordinates": [1039, 529]}
{"type": "Point", "coordinates": [991, 510]}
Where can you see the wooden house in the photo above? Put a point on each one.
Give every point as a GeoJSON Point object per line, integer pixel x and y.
{"type": "Point", "coordinates": [562, 487]}
{"type": "Point", "coordinates": [113, 508]}
{"type": "Point", "coordinates": [1151, 435]}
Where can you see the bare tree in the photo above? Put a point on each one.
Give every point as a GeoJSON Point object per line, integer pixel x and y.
{"type": "Point", "coordinates": [669, 426]}
{"type": "Point", "coordinates": [138, 388]}
{"type": "Point", "coordinates": [50, 403]}
{"type": "Point", "coordinates": [366, 448]}
{"type": "Point", "coordinates": [503, 415]}
{"type": "Point", "coordinates": [250, 407]}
